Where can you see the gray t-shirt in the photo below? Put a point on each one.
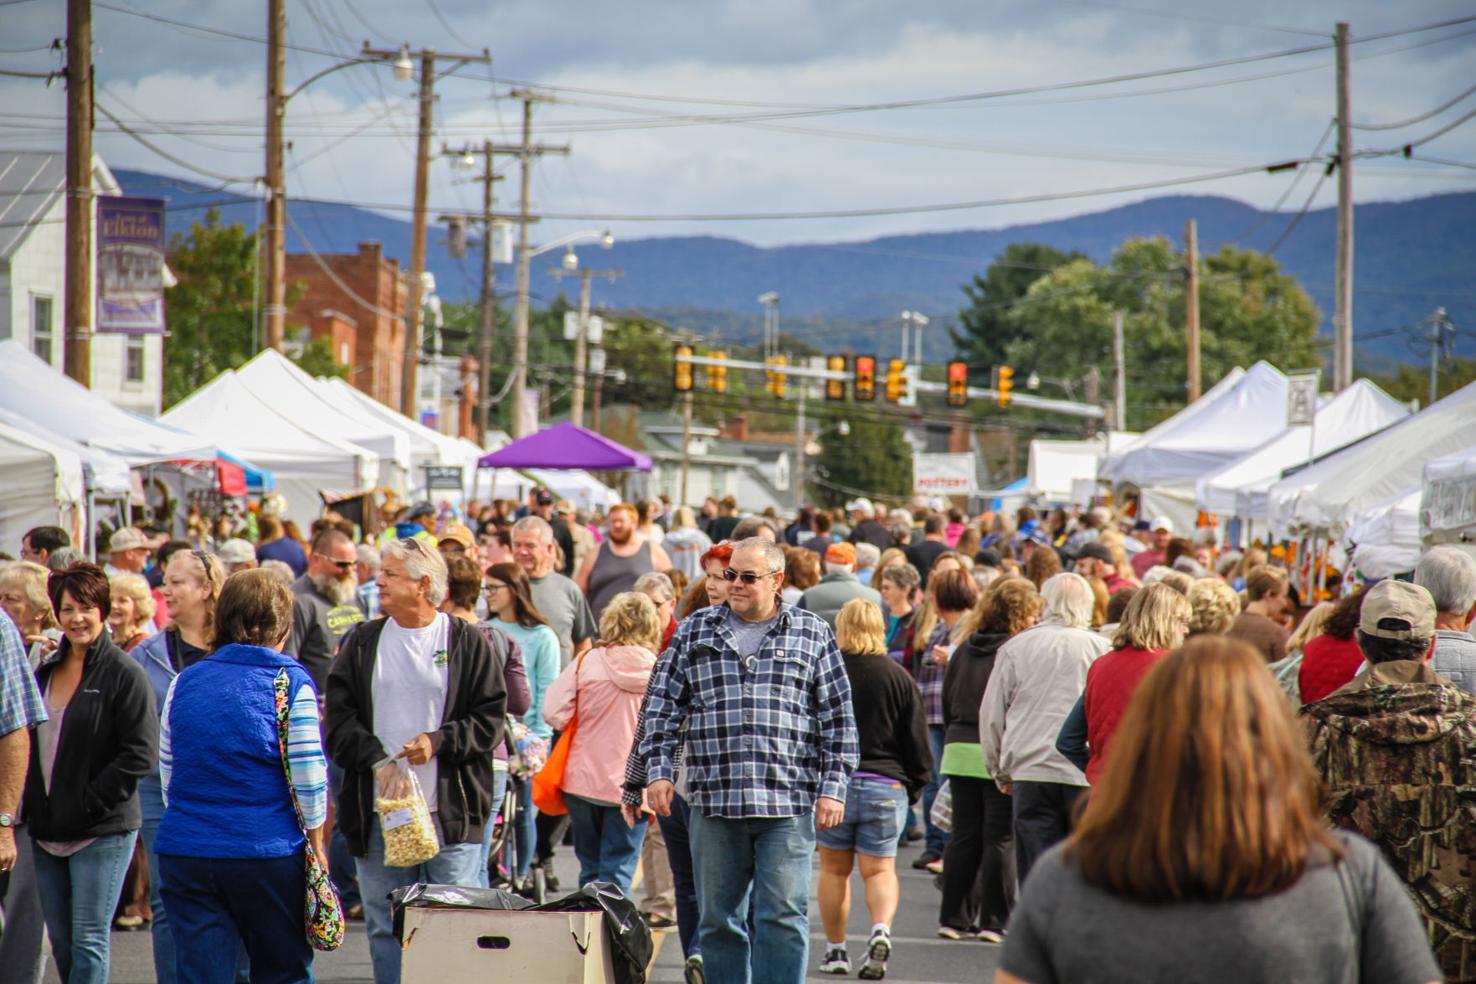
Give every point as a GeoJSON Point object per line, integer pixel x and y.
{"type": "Point", "coordinates": [559, 600]}
{"type": "Point", "coordinates": [749, 635]}
{"type": "Point", "coordinates": [1066, 930]}
{"type": "Point", "coordinates": [1455, 658]}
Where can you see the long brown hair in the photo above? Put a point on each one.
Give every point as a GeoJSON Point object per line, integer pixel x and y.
{"type": "Point", "coordinates": [526, 613]}
{"type": "Point", "coordinates": [1209, 792]}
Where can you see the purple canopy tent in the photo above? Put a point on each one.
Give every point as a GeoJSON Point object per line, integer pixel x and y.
{"type": "Point", "coordinates": [565, 446]}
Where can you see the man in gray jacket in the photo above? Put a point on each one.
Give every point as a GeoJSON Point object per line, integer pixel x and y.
{"type": "Point", "coordinates": [1038, 675]}
{"type": "Point", "coordinates": [838, 586]}
{"type": "Point", "coordinates": [1449, 574]}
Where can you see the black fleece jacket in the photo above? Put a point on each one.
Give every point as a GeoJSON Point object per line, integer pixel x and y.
{"type": "Point", "coordinates": [890, 721]}
{"type": "Point", "coordinates": [471, 728]}
{"type": "Point", "coordinates": [963, 685]}
{"type": "Point", "coordinates": [109, 741]}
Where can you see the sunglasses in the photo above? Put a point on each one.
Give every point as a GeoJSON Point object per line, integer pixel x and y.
{"type": "Point", "coordinates": [747, 577]}
{"type": "Point", "coordinates": [342, 565]}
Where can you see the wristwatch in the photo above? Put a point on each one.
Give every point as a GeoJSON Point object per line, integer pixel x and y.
{"type": "Point", "coordinates": [6, 820]}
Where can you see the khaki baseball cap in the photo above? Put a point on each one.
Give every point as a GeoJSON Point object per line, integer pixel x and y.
{"type": "Point", "coordinates": [1397, 610]}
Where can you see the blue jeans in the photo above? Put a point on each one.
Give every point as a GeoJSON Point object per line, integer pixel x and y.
{"type": "Point", "coordinates": [455, 865]}
{"type": "Point", "coordinates": [499, 787]}
{"type": "Point", "coordinates": [78, 896]}
{"type": "Point", "coordinates": [525, 830]}
{"type": "Point", "coordinates": [937, 840]}
{"type": "Point", "coordinates": [679, 856]}
{"type": "Point", "coordinates": [766, 861]}
{"type": "Point", "coordinates": [875, 811]}
{"type": "Point", "coordinates": [152, 801]}
{"type": "Point", "coordinates": [608, 850]}
{"type": "Point", "coordinates": [217, 905]}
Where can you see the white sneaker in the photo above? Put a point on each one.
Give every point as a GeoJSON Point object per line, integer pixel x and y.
{"type": "Point", "coordinates": [878, 949]}
{"type": "Point", "coordinates": [836, 961]}
{"type": "Point", "coordinates": [949, 933]}
{"type": "Point", "coordinates": [992, 935]}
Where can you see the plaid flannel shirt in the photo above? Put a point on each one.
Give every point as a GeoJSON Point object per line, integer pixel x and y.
{"type": "Point", "coordinates": [20, 699]}
{"type": "Point", "coordinates": [765, 736]}
{"type": "Point", "coordinates": [634, 786]}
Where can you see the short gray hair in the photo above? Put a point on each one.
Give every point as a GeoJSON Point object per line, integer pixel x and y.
{"type": "Point", "coordinates": [772, 552]}
{"type": "Point", "coordinates": [748, 528]}
{"type": "Point", "coordinates": [368, 555]}
{"type": "Point", "coordinates": [538, 525]}
{"type": "Point", "coordinates": [1449, 574]}
{"type": "Point", "coordinates": [1068, 601]}
{"type": "Point", "coordinates": [421, 561]}
{"type": "Point", "coordinates": [867, 555]}
{"type": "Point", "coordinates": [655, 582]}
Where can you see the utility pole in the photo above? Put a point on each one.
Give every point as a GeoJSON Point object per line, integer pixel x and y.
{"type": "Point", "coordinates": [79, 309]}
{"type": "Point", "coordinates": [581, 340]}
{"type": "Point", "coordinates": [686, 443]}
{"type": "Point", "coordinates": [1191, 303]}
{"type": "Point", "coordinates": [1093, 396]}
{"type": "Point", "coordinates": [1119, 375]}
{"type": "Point", "coordinates": [274, 311]}
{"type": "Point", "coordinates": [799, 444]}
{"type": "Point", "coordinates": [1343, 285]}
{"type": "Point", "coordinates": [489, 279]}
{"type": "Point", "coordinates": [520, 308]}
{"type": "Point", "coordinates": [1437, 337]}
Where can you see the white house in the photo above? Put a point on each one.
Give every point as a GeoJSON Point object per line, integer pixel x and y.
{"type": "Point", "coordinates": [126, 369]}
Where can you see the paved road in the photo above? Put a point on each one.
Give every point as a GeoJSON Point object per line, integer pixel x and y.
{"type": "Point", "coordinates": [919, 955]}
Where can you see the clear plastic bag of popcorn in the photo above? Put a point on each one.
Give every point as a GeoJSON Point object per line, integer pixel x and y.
{"type": "Point", "coordinates": [404, 819]}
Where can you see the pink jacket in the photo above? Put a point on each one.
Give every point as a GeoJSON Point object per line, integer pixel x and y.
{"type": "Point", "coordinates": [611, 684]}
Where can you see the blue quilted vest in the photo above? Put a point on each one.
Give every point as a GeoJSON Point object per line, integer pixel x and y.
{"type": "Point", "coordinates": [228, 794]}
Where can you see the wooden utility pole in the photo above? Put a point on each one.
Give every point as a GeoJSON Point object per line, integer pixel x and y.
{"type": "Point", "coordinates": [410, 373]}
{"type": "Point", "coordinates": [686, 443]}
{"type": "Point", "coordinates": [274, 310]}
{"type": "Point", "coordinates": [1343, 281]}
{"type": "Point", "coordinates": [1119, 376]}
{"type": "Point", "coordinates": [1191, 303]}
{"type": "Point", "coordinates": [489, 310]}
{"type": "Point", "coordinates": [581, 338]}
{"type": "Point", "coordinates": [79, 310]}
{"type": "Point", "coordinates": [1093, 396]}
{"type": "Point", "coordinates": [526, 152]}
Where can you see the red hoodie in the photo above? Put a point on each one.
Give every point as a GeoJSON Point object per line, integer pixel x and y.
{"type": "Point", "coordinates": [1110, 685]}
{"type": "Point", "coordinates": [1328, 663]}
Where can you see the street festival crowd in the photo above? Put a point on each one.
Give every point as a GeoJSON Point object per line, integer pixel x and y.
{"type": "Point", "coordinates": [1125, 751]}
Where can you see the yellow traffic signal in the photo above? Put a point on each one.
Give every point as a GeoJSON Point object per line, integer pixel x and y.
{"type": "Point", "coordinates": [1004, 385]}
{"type": "Point", "coordinates": [776, 379]}
{"type": "Point", "coordinates": [865, 378]}
{"type": "Point", "coordinates": [717, 376]}
{"type": "Point", "coordinates": [896, 380]}
{"type": "Point", "coordinates": [958, 384]}
{"type": "Point", "coordinates": [683, 375]}
{"type": "Point", "coordinates": [835, 389]}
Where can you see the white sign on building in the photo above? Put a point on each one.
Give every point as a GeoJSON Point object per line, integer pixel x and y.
{"type": "Point", "coordinates": [943, 473]}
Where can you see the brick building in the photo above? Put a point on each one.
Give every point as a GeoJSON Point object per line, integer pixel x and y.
{"type": "Point", "coordinates": [359, 310]}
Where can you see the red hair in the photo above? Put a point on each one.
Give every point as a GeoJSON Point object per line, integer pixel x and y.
{"type": "Point", "coordinates": [722, 553]}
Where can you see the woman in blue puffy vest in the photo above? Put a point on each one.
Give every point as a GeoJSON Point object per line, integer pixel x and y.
{"type": "Point", "coordinates": [230, 846]}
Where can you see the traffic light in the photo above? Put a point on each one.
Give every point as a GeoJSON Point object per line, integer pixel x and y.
{"type": "Point", "coordinates": [958, 384]}
{"type": "Point", "coordinates": [1004, 385]}
{"type": "Point", "coordinates": [896, 381]}
{"type": "Point", "coordinates": [776, 379]}
{"type": "Point", "coordinates": [717, 376]}
{"type": "Point", "coordinates": [683, 375]}
{"type": "Point", "coordinates": [835, 389]}
{"type": "Point", "coordinates": [864, 389]}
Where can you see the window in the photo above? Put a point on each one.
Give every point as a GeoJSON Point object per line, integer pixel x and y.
{"type": "Point", "coordinates": [133, 359]}
{"type": "Point", "coordinates": [42, 329]}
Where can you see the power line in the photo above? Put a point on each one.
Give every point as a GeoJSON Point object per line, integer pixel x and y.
{"type": "Point", "coordinates": [1414, 119]}
{"type": "Point", "coordinates": [1297, 177]}
{"type": "Point", "coordinates": [165, 154]}
{"type": "Point", "coordinates": [435, 9]}
{"type": "Point", "coordinates": [1302, 212]}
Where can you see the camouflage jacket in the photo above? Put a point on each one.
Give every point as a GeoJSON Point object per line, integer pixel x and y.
{"type": "Point", "coordinates": [1397, 749]}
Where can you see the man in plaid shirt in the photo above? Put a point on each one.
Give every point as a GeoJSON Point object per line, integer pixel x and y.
{"type": "Point", "coordinates": [21, 709]}
{"type": "Point", "coordinates": [770, 744]}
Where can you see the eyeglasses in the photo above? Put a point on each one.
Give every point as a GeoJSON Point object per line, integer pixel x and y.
{"type": "Point", "coordinates": [342, 565]}
{"type": "Point", "coordinates": [747, 577]}
{"type": "Point", "coordinates": [496, 586]}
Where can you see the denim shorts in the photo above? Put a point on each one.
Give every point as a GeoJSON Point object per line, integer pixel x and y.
{"type": "Point", "coordinates": [875, 812]}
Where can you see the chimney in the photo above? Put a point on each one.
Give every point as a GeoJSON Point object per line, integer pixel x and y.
{"type": "Point", "coordinates": [736, 428]}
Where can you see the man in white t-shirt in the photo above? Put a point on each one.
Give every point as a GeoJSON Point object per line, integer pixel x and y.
{"type": "Point", "coordinates": [413, 688]}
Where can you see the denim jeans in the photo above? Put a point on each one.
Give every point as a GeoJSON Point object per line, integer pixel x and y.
{"type": "Point", "coordinates": [937, 840]}
{"type": "Point", "coordinates": [217, 905]}
{"type": "Point", "coordinates": [767, 861]}
{"type": "Point", "coordinates": [455, 865]}
{"type": "Point", "coordinates": [525, 829]}
{"type": "Point", "coordinates": [679, 856]}
{"type": "Point", "coordinates": [152, 801]}
{"type": "Point", "coordinates": [78, 896]}
{"type": "Point", "coordinates": [499, 787]}
{"type": "Point", "coordinates": [340, 858]}
{"type": "Point", "coordinates": [607, 849]}
{"type": "Point", "coordinates": [22, 956]}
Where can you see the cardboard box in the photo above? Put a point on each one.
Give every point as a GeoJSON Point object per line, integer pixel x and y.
{"type": "Point", "coordinates": [477, 946]}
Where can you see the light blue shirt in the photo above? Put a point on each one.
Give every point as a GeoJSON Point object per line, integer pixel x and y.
{"type": "Point", "coordinates": [1455, 658]}
{"type": "Point", "coordinates": [540, 648]}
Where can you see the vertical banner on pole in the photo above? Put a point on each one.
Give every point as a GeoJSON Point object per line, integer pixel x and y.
{"type": "Point", "coordinates": [130, 265]}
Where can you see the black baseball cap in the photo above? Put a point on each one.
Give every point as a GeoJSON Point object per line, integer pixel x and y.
{"type": "Point", "coordinates": [543, 497]}
{"type": "Point", "coordinates": [1096, 551]}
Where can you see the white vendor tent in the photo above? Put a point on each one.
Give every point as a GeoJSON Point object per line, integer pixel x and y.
{"type": "Point", "coordinates": [43, 485]}
{"type": "Point", "coordinates": [103, 472]}
{"type": "Point", "coordinates": [37, 391]}
{"type": "Point", "coordinates": [1323, 498]}
{"type": "Point", "coordinates": [427, 446]}
{"type": "Point", "coordinates": [1240, 487]}
{"type": "Point", "coordinates": [1447, 501]}
{"type": "Point", "coordinates": [302, 460]}
{"type": "Point", "coordinates": [1385, 538]}
{"type": "Point", "coordinates": [299, 397]}
{"type": "Point", "coordinates": [1058, 470]}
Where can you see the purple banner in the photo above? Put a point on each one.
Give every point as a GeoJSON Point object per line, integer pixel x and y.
{"type": "Point", "coordinates": [130, 265]}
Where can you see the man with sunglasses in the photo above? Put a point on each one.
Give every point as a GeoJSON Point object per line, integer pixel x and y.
{"type": "Point", "coordinates": [326, 603]}
{"type": "Point", "coordinates": [757, 694]}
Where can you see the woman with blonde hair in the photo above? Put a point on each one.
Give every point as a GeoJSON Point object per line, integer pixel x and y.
{"type": "Point", "coordinates": [605, 687]}
{"type": "Point", "coordinates": [896, 763]}
{"type": "Point", "coordinates": [23, 597]}
{"type": "Point", "coordinates": [1206, 824]}
{"type": "Point", "coordinates": [1214, 605]}
{"type": "Point", "coordinates": [133, 610]}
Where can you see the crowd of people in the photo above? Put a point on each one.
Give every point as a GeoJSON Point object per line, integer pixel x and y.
{"type": "Point", "coordinates": [1121, 753]}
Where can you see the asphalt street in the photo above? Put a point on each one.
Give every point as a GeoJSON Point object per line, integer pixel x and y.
{"type": "Point", "coordinates": [919, 956]}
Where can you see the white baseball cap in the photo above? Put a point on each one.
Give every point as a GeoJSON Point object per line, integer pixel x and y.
{"type": "Point", "coordinates": [861, 505]}
{"type": "Point", "coordinates": [1161, 523]}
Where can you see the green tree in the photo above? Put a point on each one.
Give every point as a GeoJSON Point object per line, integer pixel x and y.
{"type": "Point", "coordinates": [316, 359]}
{"type": "Point", "coordinates": [870, 457]}
{"type": "Point", "coordinates": [985, 331]}
{"type": "Point", "coordinates": [210, 308]}
{"type": "Point", "coordinates": [1412, 382]}
{"type": "Point", "coordinates": [1249, 310]}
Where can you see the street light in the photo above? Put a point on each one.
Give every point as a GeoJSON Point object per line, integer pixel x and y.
{"type": "Point", "coordinates": [770, 301]}
{"type": "Point", "coordinates": [571, 259]}
{"type": "Point", "coordinates": [404, 66]}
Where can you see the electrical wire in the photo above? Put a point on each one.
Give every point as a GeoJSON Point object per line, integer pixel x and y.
{"type": "Point", "coordinates": [328, 270]}
{"type": "Point", "coordinates": [1414, 119]}
{"type": "Point", "coordinates": [180, 162]}
{"type": "Point", "coordinates": [435, 9]}
{"type": "Point", "coordinates": [1297, 177]}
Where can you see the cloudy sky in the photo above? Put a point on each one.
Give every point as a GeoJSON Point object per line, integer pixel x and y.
{"type": "Point", "coordinates": [742, 107]}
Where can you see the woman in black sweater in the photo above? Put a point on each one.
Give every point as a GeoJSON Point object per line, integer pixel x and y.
{"type": "Point", "coordinates": [895, 763]}
{"type": "Point", "coordinates": [979, 849]}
